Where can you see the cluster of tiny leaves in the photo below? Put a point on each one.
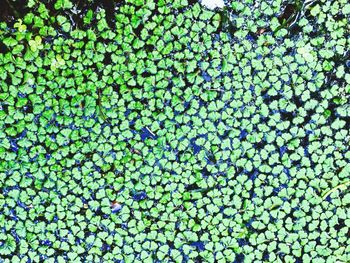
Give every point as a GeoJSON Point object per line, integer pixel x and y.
{"type": "Point", "coordinates": [178, 134]}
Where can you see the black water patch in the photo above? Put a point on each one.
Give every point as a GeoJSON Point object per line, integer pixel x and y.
{"type": "Point", "coordinates": [297, 101]}
{"type": "Point", "coordinates": [3, 48]}
{"type": "Point", "coordinates": [149, 48]}
{"type": "Point", "coordinates": [260, 145]}
{"type": "Point", "coordinates": [295, 29]}
{"type": "Point", "coordinates": [146, 74]}
{"type": "Point", "coordinates": [6, 11]}
{"type": "Point", "coordinates": [347, 63]}
{"type": "Point", "coordinates": [139, 196]}
{"type": "Point", "coordinates": [332, 108]}
{"type": "Point", "coordinates": [287, 116]}
{"type": "Point", "coordinates": [107, 59]}
{"type": "Point", "coordinates": [45, 242]}
{"type": "Point", "coordinates": [211, 157]}
{"type": "Point", "coordinates": [196, 148]}
{"type": "Point", "coordinates": [192, 2]}
{"type": "Point", "coordinates": [105, 247]}
{"type": "Point", "coordinates": [239, 258]}
{"type": "Point", "coordinates": [13, 145]}
{"type": "Point", "coordinates": [205, 172]}
{"type": "Point", "coordinates": [226, 24]}
{"type": "Point", "coordinates": [288, 13]}
{"type": "Point", "coordinates": [341, 223]}
{"type": "Point", "coordinates": [15, 235]}
{"type": "Point", "coordinates": [251, 37]}
{"type": "Point", "coordinates": [266, 256]}
{"type": "Point", "coordinates": [145, 134]}
{"type": "Point", "coordinates": [138, 30]}
{"type": "Point", "coordinates": [82, 7]}
{"type": "Point", "coordinates": [199, 245]}
{"type": "Point", "coordinates": [252, 174]}
{"type": "Point", "coordinates": [242, 242]}
{"type": "Point", "coordinates": [206, 76]}
{"type": "Point", "coordinates": [109, 7]}
{"type": "Point", "coordinates": [192, 187]}
{"type": "Point", "coordinates": [243, 134]}
{"type": "Point", "coordinates": [11, 10]}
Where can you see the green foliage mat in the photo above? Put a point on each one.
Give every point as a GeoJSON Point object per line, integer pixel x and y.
{"type": "Point", "coordinates": [172, 133]}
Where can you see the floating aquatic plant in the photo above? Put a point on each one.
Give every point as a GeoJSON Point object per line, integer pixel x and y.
{"type": "Point", "coordinates": [163, 131]}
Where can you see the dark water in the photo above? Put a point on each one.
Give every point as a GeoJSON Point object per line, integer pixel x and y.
{"type": "Point", "coordinates": [12, 10]}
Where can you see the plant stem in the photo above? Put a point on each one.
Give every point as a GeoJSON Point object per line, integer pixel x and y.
{"type": "Point", "coordinates": [341, 187]}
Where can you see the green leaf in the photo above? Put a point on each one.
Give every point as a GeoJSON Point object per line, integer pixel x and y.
{"type": "Point", "coordinates": [63, 4]}
{"type": "Point", "coordinates": [8, 244]}
{"type": "Point", "coordinates": [10, 42]}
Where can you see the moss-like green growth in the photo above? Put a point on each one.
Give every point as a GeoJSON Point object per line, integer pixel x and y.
{"type": "Point", "coordinates": [161, 131]}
